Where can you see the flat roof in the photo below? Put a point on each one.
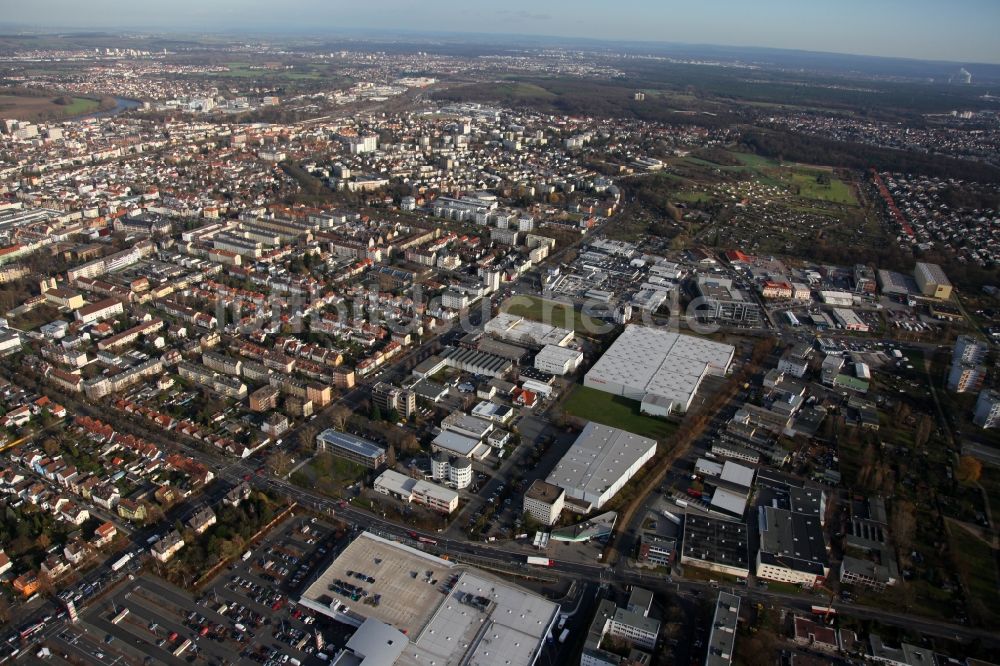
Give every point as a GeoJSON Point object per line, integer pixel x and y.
{"type": "Point", "coordinates": [349, 442]}
{"type": "Point", "coordinates": [653, 360]}
{"type": "Point", "coordinates": [716, 540]}
{"type": "Point", "coordinates": [452, 614]}
{"type": "Point", "coordinates": [457, 444]}
{"type": "Point", "coordinates": [513, 327]}
{"type": "Point", "coordinates": [793, 538]}
{"type": "Point", "coordinates": [598, 458]}
{"type": "Point", "coordinates": [740, 475]}
{"type": "Point", "coordinates": [405, 485]}
{"type": "Point", "coordinates": [728, 502]}
{"type": "Point", "coordinates": [557, 354]}
{"type": "Point", "coordinates": [722, 640]}
{"type": "Point", "coordinates": [543, 491]}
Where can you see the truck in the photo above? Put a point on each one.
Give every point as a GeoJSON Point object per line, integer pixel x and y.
{"type": "Point", "coordinates": [672, 517]}
{"type": "Point", "coordinates": [182, 647]}
{"type": "Point", "coordinates": [681, 503]}
{"type": "Point", "coordinates": [120, 616]}
{"type": "Point", "coordinates": [564, 635]}
{"type": "Point", "coordinates": [121, 562]}
{"type": "Point", "coordinates": [540, 561]}
{"type": "Point", "coordinates": [247, 555]}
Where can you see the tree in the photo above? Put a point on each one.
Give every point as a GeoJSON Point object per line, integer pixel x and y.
{"type": "Point", "coordinates": [279, 463]}
{"type": "Point", "coordinates": [50, 446]}
{"type": "Point", "coordinates": [969, 470]}
{"type": "Point", "coordinates": [390, 457]}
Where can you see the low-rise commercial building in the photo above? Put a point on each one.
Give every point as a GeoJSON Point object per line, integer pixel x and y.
{"type": "Point", "coordinates": [792, 547]}
{"type": "Point", "coordinates": [417, 491]}
{"type": "Point", "coordinates": [715, 544]}
{"type": "Point", "coordinates": [558, 360]}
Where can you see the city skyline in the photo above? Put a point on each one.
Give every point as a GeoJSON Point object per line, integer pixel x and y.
{"type": "Point", "coordinates": [960, 32]}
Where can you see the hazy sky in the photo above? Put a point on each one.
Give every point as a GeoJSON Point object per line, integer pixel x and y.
{"type": "Point", "coordinates": [960, 30]}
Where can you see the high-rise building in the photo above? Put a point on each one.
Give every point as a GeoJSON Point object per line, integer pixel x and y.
{"type": "Point", "coordinates": [987, 412]}
{"type": "Point", "coordinates": [393, 398]}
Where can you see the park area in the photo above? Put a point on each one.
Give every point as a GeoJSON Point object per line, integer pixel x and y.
{"type": "Point", "coordinates": [554, 313]}
{"type": "Point", "coordinates": [615, 411]}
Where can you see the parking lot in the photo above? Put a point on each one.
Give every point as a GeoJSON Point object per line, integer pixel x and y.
{"type": "Point", "coordinates": [246, 615]}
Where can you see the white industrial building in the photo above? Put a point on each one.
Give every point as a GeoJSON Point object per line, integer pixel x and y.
{"type": "Point", "coordinates": [661, 369]}
{"type": "Point", "coordinates": [558, 360]}
{"type": "Point", "coordinates": [600, 462]}
{"type": "Point", "coordinates": [525, 331]}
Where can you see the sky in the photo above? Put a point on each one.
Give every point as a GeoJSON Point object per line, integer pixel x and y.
{"type": "Point", "coordinates": [955, 30]}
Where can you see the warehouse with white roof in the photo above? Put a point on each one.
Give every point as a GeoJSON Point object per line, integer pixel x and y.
{"type": "Point", "coordinates": [659, 368]}
{"type": "Point", "coordinates": [600, 462]}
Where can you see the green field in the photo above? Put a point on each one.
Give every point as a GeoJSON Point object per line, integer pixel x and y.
{"type": "Point", "coordinates": [979, 574]}
{"type": "Point", "coordinates": [247, 71]}
{"type": "Point", "coordinates": [798, 177]}
{"type": "Point", "coordinates": [26, 107]}
{"type": "Point", "coordinates": [522, 91]}
{"type": "Point", "coordinates": [837, 191]}
{"type": "Point", "coordinates": [554, 313]}
{"type": "Point", "coordinates": [615, 411]}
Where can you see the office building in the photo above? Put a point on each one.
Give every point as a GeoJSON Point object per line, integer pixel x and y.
{"type": "Point", "coordinates": [455, 471]}
{"type": "Point", "coordinates": [408, 490]}
{"type": "Point", "coordinates": [389, 398]}
{"type": "Point", "coordinates": [544, 501]}
{"type": "Point", "coordinates": [351, 447]}
{"type": "Point", "coordinates": [722, 302]}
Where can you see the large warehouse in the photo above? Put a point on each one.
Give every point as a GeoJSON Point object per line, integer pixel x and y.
{"type": "Point", "coordinates": [600, 462]}
{"type": "Point", "coordinates": [660, 368]}
{"type": "Point", "coordinates": [419, 609]}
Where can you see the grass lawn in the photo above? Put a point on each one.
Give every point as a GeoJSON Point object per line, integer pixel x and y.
{"type": "Point", "coordinates": [978, 569]}
{"type": "Point", "coordinates": [554, 313]}
{"type": "Point", "coordinates": [837, 191]}
{"type": "Point", "coordinates": [615, 411]}
{"type": "Point", "coordinates": [328, 474]}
